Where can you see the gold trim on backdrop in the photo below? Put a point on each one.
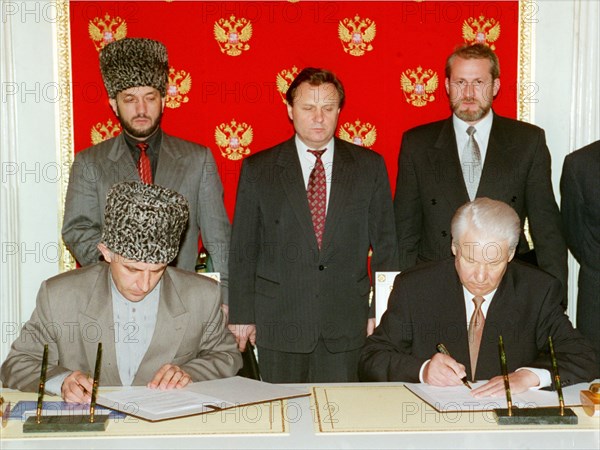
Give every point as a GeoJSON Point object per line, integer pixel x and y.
{"type": "Point", "coordinates": [65, 111]}
{"type": "Point", "coordinates": [526, 88]}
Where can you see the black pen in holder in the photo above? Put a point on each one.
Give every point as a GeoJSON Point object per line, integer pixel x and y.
{"type": "Point", "coordinates": [534, 416]}
{"type": "Point", "coordinates": [67, 423]}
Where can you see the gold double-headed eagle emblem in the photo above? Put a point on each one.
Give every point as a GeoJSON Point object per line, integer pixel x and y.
{"type": "Point", "coordinates": [179, 85]}
{"type": "Point", "coordinates": [233, 35]}
{"type": "Point", "coordinates": [419, 85]}
{"type": "Point", "coordinates": [103, 131]}
{"type": "Point", "coordinates": [356, 35]}
{"type": "Point", "coordinates": [105, 30]}
{"type": "Point", "coordinates": [283, 80]}
{"type": "Point", "coordinates": [233, 139]}
{"type": "Point", "coordinates": [358, 133]}
{"type": "Point", "coordinates": [481, 30]}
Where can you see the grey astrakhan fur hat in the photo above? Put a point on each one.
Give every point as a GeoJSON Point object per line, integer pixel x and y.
{"type": "Point", "coordinates": [133, 62]}
{"type": "Point", "coordinates": [144, 222]}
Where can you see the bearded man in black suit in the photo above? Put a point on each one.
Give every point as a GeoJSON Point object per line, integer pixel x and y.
{"type": "Point", "coordinates": [476, 153]}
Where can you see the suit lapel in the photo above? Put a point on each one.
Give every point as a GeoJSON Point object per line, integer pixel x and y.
{"type": "Point", "coordinates": [96, 324]}
{"type": "Point", "coordinates": [456, 316]}
{"type": "Point", "coordinates": [343, 169]}
{"type": "Point", "coordinates": [444, 160]}
{"type": "Point", "coordinates": [292, 181]}
{"type": "Point", "coordinates": [121, 164]}
{"type": "Point", "coordinates": [500, 320]}
{"type": "Point", "coordinates": [498, 160]}
{"type": "Point", "coordinates": [167, 172]}
{"type": "Point", "coordinates": [171, 324]}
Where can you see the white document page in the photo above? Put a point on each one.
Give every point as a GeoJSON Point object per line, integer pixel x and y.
{"type": "Point", "coordinates": [459, 398]}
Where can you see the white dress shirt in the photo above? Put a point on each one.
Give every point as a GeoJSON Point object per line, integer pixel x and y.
{"type": "Point", "coordinates": [307, 162]}
{"type": "Point", "coordinates": [482, 136]}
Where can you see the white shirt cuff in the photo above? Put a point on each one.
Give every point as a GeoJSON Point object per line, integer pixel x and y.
{"type": "Point", "coordinates": [542, 374]}
{"type": "Point", "coordinates": [54, 385]}
{"type": "Point", "coordinates": [422, 369]}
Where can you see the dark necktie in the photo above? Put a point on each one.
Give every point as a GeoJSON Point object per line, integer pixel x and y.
{"type": "Point", "coordinates": [143, 165]}
{"type": "Point", "coordinates": [317, 195]}
{"type": "Point", "coordinates": [471, 164]}
{"type": "Point", "coordinates": [476, 325]}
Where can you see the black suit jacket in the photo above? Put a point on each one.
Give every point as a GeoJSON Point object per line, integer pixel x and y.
{"type": "Point", "coordinates": [430, 188]}
{"type": "Point", "coordinates": [580, 205]}
{"type": "Point", "coordinates": [427, 307]}
{"type": "Point", "coordinates": [280, 281]}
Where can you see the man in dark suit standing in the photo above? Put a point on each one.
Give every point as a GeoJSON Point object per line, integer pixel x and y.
{"type": "Point", "coordinates": [580, 206]}
{"type": "Point", "coordinates": [475, 153]}
{"type": "Point", "coordinates": [466, 303]}
{"type": "Point", "coordinates": [307, 213]}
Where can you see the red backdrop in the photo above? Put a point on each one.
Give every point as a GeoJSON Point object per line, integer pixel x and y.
{"type": "Point", "coordinates": [226, 57]}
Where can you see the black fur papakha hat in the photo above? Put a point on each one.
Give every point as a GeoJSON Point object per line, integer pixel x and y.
{"type": "Point", "coordinates": [144, 222]}
{"type": "Point", "coordinates": [133, 62]}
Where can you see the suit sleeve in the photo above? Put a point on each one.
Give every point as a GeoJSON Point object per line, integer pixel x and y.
{"type": "Point", "coordinates": [215, 228]}
{"type": "Point", "coordinates": [572, 207]}
{"type": "Point", "coordinates": [382, 233]}
{"type": "Point", "coordinates": [407, 208]}
{"type": "Point", "coordinates": [245, 242]}
{"type": "Point", "coordinates": [544, 217]}
{"type": "Point", "coordinates": [21, 370]}
{"type": "Point", "coordinates": [217, 354]}
{"type": "Point", "coordinates": [387, 354]}
{"type": "Point", "coordinates": [576, 357]}
{"type": "Point", "coordinates": [82, 222]}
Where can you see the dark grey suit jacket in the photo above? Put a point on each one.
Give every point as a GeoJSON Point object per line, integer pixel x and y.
{"type": "Point", "coordinates": [183, 166]}
{"type": "Point", "coordinates": [430, 188]}
{"type": "Point", "coordinates": [427, 307]}
{"type": "Point", "coordinates": [580, 206]}
{"type": "Point", "coordinates": [280, 281]}
{"type": "Point", "coordinates": [74, 312]}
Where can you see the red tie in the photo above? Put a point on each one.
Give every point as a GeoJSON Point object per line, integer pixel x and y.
{"type": "Point", "coordinates": [143, 165]}
{"type": "Point", "coordinates": [317, 195]}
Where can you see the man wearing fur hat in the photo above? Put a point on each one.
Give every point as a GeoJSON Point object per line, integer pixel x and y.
{"type": "Point", "coordinates": [160, 326]}
{"type": "Point", "coordinates": [135, 73]}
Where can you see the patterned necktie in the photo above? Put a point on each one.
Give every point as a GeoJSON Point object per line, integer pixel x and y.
{"type": "Point", "coordinates": [317, 195]}
{"type": "Point", "coordinates": [143, 165]}
{"type": "Point", "coordinates": [471, 164]}
{"type": "Point", "coordinates": [476, 325]}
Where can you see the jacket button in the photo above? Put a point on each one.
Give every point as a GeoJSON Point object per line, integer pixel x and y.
{"type": "Point", "coordinates": [321, 267]}
{"type": "Point", "coordinates": [444, 234]}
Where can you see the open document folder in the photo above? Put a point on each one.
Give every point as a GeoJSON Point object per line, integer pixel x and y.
{"type": "Point", "coordinates": [195, 398]}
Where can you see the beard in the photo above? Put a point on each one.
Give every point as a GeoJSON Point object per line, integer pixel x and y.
{"type": "Point", "coordinates": [471, 115]}
{"type": "Point", "coordinates": [138, 132]}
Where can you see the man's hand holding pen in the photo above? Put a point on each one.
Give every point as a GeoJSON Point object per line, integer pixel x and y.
{"type": "Point", "coordinates": [77, 388]}
{"type": "Point", "coordinates": [443, 370]}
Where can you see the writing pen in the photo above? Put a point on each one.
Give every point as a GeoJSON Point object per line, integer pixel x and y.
{"type": "Point", "coordinates": [42, 385]}
{"type": "Point", "coordinates": [504, 368]}
{"type": "Point", "coordinates": [556, 378]}
{"type": "Point", "coordinates": [6, 415]}
{"type": "Point", "coordinates": [96, 381]}
{"type": "Point", "coordinates": [441, 348]}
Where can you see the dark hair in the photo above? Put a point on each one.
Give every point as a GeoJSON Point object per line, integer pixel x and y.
{"type": "Point", "coordinates": [315, 77]}
{"type": "Point", "coordinates": [475, 51]}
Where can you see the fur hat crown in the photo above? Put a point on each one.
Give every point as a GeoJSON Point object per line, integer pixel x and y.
{"type": "Point", "coordinates": [144, 222]}
{"type": "Point", "coordinates": [133, 62]}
